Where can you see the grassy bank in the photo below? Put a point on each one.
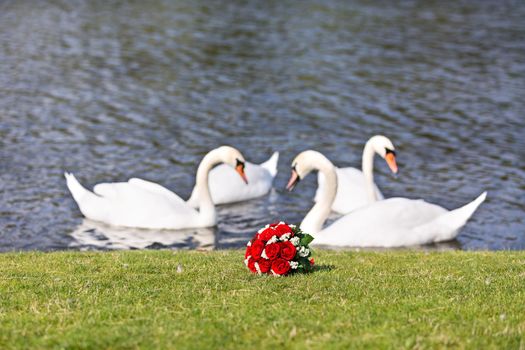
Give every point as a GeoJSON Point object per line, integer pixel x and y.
{"type": "Point", "coordinates": [142, 299]}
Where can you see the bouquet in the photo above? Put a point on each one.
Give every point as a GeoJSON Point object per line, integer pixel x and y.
{"type": "Point", "coordinates": [279, 249]}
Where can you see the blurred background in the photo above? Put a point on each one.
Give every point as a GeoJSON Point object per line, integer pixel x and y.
{"type": "Point", "coordinates": [113, 90]}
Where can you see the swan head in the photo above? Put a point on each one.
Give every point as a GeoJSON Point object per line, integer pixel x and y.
{"type": "Point", "coordinates": [234, 158]}
{"type": "Point", "coordinates": [304, 163]}
{"type": "Point", "coordinates": [386, 150]}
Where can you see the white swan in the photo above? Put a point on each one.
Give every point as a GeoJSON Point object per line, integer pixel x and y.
{"type": "Point", "coordinates": [144, 204]}
{"type": "Point", "coordinates": [225, 188]}
{"type": "Point", "coordinates": [356, 188]}
{"type": "Point", "coordinates": [392, 222]}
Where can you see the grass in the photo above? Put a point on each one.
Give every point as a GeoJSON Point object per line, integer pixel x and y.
{"type": "Point", "coordinates": [138, 299]}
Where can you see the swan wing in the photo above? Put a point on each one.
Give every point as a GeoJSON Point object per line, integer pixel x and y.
{"type": "Point", "coordinates": [142, 203]}
{"type": "Point", "coordinates": [158, 189]}
{"type": "Point", "coordinates": [106, 190]}
{"type": "Point", "coordinates": [387, 223]}
{"type": "Point", "coordinates": [446, 227]}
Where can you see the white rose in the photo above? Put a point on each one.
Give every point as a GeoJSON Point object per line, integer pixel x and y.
{"type": "Point", "coordinates": [272, 240]}
{"type": "Point", "coordinates": [304, 252]}
{"type": "Point", "coordinates": [285, 237]}
{"type": "Point", "coordinates": [257, 268]}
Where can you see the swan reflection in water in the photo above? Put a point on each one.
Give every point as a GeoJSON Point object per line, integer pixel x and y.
{"type": "Point", "coordinates": [95, 235]}
{"type": "Point", "coordinates": [233, 232]}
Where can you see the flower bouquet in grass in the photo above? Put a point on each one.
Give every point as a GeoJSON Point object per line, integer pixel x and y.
{"type": "Point", "coordinates": [279, 249]}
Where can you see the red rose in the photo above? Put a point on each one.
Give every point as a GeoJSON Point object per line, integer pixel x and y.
{"type": "Point", "coordinates": [267, 234]}
{"type": "Point", "coordinates": [280, 266]}
{"type": "Point", "coordinates": [287, 250]}
{"type": "Point", "coordinates": [251, 265]}
{"type": "Point", "coordinates": [272, 250]}
{"type": "Point", "coordinates": [248, 251]}
{"type": "Point", "coordinates": [283, 229]}
{"type": "Point", "coordinates": [312, 262]}
{"type": "Point", "coordinates": [264, 265]}
{"type": "Point", "coordinates": [257, 249]}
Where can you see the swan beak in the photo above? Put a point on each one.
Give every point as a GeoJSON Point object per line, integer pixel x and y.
{"type": "Point", "coordinates": [391, 161]}
{"type": "Point", "coordinates": [240, 170]}
{"type": "Point", "coordinates": [294, 179]}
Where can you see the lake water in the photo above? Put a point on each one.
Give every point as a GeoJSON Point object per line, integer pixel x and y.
{"type": "Point", "coordinates": [145, 89]}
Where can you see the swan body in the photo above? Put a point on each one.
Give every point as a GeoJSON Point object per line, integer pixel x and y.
{"type": "Point", "coordinates": [143, 204]}
{"type": "Point", "coordinates": [356, 188]}
{"type": "Point", "coordinates": [393, 222]}
{"type": "Point", "coordinates": [226, 188]}
{"type": "Point", "coordinates": [397, 222]}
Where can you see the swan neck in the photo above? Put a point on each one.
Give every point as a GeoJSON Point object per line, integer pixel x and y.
{"type": "Point", "coordinates": [314, 220]}
{"type": "Point", "coordinates": [368, 170]}
{"type": "Point", "coordinates": [205, 202]}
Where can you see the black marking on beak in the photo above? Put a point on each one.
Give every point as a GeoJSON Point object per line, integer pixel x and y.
{"type": "Point", "coordinates": [239, 162]}
{"type": "Point", "coordinates": [390, 151]}
{"type": "Point", "coordinates": [294, 180]}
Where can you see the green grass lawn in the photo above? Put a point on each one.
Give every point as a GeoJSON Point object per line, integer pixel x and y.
{"type": "Point", "coordinates": [367, 299]}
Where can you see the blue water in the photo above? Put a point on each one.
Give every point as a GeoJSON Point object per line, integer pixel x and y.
{"type": "Point", "coordinates": [113, 91]}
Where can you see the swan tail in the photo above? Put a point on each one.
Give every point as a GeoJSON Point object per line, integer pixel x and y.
{"type": "Point", "coordinates": [79, 192]}
{"type": "Point", "coordinates": [271, 164]}
{"type": "Point", "coordinates": [447, 226]}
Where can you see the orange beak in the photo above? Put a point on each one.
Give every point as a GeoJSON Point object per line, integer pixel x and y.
{"type": "Point", "coordinates": [390, 159]}
{"type": "Point", "coordinates": [294, 179]}
{"type": "Point", "coordinates": [240, 170]}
